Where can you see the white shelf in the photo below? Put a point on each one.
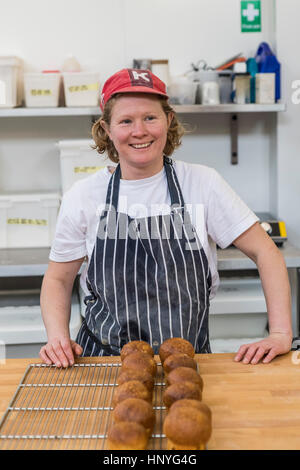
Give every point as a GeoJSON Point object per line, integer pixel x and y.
{"type": "Point", "coordinates": [231, 108]}
{"type": "Point", "coordinates": [181, 109]}
{"type": "Point", "coordinates": [48, 112]}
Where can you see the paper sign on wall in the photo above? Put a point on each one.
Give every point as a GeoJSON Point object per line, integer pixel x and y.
{"type": "Point", "coordinates": [250, 16]}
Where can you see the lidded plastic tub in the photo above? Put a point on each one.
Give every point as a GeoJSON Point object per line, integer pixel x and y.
{"type": "Point", "coordinates": [28, 220]}
{"type": "Point", "coordinates": [42, 89]}
{"type": "Point", "coordinates": [78, 160]}
{"type": "Point", "coordinates": [81, 88]}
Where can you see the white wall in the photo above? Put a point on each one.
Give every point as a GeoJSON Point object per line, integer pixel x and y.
{"type": "Point", "coordinates": [106, 36]}
{"type": "Point", "coordinates": [288, 134]}
{"type": "Point", "coordinates": [109, 34]}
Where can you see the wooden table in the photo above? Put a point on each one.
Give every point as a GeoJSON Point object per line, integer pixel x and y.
{"type": "Point", "coordinates": [253, 406]}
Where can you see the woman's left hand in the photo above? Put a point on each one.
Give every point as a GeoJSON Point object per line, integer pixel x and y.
{"type": "Point", "coordinates": [270, 347]}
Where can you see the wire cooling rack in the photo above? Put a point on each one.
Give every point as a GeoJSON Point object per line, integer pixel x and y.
{"type": "Point", "coordinates": [56, 408]}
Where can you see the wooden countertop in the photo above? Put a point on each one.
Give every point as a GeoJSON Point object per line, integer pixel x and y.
{"type": "Point", "coordinates": [253, 406]}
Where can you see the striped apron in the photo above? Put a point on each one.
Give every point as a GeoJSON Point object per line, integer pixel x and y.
{"type": "Point", "coordinates": [148, 278]}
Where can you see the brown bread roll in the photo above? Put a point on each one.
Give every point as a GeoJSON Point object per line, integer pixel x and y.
{"type": "Point", "coordinates": [174, 346]}
{"type": "Point", "coordinates": [140, 361]}
{"type": "Point", "coordinates": [189, 402]}
{"type": "Point", "coordinates": [133, 346]}
{"type": "Point", "coordinates": [184, 374]}
{"type": "Point", "coordinates": [179, 360]}
{"type": "Point", "coordinates": [135, 410]}
{"type": "Point", "coordinates": [187, 428]}
{"type": "Point", "coordinates": [131, 389]}
{"type": "Point", "coordinates": [181, 390]}
{"type": "Point", "coordinates": [133, 374]}
{"type": "Point", "coordinates": [127, 436]}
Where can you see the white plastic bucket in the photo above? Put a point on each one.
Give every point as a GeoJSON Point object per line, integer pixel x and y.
{"type": "Point", "coordinates": [81, 88]}
{"type": "Point", "coordinates": [42, 89]}
{"type": "Point", "coordinates": [28, 220]}
{"type": "Point", "coordinates": [79, 160]}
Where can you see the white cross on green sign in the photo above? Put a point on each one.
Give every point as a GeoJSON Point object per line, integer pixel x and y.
{"type": "Point", "coordinates": [250, 16]}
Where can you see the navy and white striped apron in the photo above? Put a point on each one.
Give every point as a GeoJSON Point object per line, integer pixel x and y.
{"type": "Point", "coordinates": [148, 277]}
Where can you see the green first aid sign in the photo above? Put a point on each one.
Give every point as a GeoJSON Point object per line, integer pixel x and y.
{"type": "Point", "coordinates": [250, 16]}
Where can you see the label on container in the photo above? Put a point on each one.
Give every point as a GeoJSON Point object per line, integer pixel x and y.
{"type": "Point", "coordinates": [87, 169]}
{"type": "Point", "coordinates": [19, 221]}
{"type": "Point", "coordinates": [89, 87]}
{"type": "Point", "coordinates": [37, 92]}
{"type": "Point", "coordinates": [250, 16]}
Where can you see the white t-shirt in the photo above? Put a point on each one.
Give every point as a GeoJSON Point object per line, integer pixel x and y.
{"type": "Point", "coordinates": [217, 212]}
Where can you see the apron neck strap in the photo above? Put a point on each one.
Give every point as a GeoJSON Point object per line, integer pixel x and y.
{"type": "Point", "coordinates": [112, 194]}
{"type": "Point", "coordinates": [173, 184]}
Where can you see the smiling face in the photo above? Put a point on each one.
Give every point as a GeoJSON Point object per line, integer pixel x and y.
{"type": "Point", "coordinates": [138, 129]}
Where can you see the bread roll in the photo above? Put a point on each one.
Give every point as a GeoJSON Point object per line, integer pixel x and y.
{"type": "Point", "coordinates": [126, 435]}
{"type": "Point", "coordinates": [184, 374]}
{"type": "Point", "coordinates": [133, 346]}
{"type": "Point", "coordinates": [179, 360]}
{"type": "Point", "coordinates": [140, 361]}
{"type": "Point", "coordinates": [135, 410]}
{"type": "Point", "coordinates": [174, 346]}
{"type": "Point", "coordinates": [181, 390]}
{"type": "Point", "coordinates": [189, 402]}
{"type": "Point", "coordinates": [187, 428]}
{"type": "Point", "coordinates": [131, 389]}
{"type": "Point", "coordinates": [133, 374]}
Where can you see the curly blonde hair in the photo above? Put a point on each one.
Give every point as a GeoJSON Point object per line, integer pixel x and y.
{"type": "Point", "coordinates": [104, 144]}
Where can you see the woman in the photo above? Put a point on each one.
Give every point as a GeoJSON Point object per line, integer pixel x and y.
{"type": "Point", "coordinates": [149, 231]}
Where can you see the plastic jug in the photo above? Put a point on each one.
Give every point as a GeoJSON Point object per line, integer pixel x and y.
{"type": "Point", "coordinates": [268, 63]}
{"type": "Point", "coordinates": [71, 64]}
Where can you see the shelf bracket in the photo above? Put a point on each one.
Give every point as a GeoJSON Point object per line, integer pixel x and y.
{"type": "Point", "coordinates": [234, 138]}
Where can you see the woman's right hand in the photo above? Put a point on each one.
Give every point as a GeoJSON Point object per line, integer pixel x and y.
{"type": "Point", "coordinates": [60, 351]}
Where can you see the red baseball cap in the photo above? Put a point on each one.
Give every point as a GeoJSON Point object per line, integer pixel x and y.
{"type": "Point", "coordinates": [132, 81]}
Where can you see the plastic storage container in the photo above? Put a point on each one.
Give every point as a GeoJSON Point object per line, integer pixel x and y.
{"type": "Point", "coordinates": [182, 91]}
{"type": "Point", "coordinates": [28, 220]}
{"type": "Point", "coordinates": [42, 89]}
{"type": "Point", "coordinates": [265, 88]}
{"type": "Point", "coordinates": [78, 160]}
{"type": "Point", "coordinates": [238, 312]}
{"type": "Point", "coordinates": [209, 87]}
{"type": "Point", "coordinates": [241, 89]}
{"type": "Point", "coordinates": [81, 88]}
{"type": "Point", "coordinates": [22, 330]}
{"type": "Point", "coordinates": [225, 84]}
{"type": "Point", "coordinates": [11, 84]}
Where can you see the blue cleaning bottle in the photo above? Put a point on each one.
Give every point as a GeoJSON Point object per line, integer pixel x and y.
{"type": "Point", "coordinates": [252, 69]}
{"type": "Point", "coordinates": [268, 63]}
